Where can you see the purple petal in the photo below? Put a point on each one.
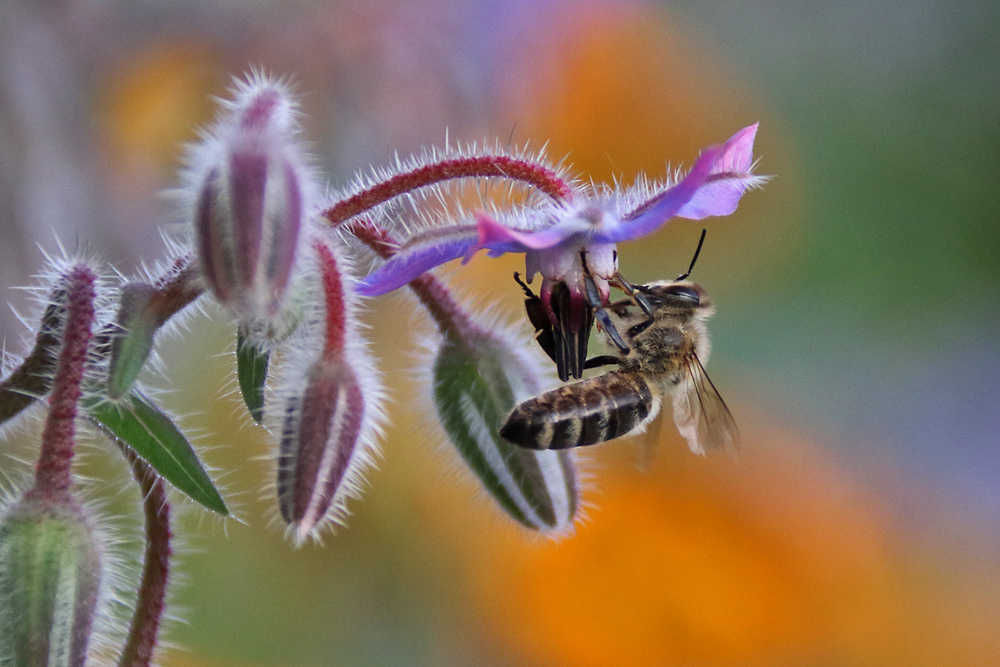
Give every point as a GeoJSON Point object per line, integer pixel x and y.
{"type": "Point", "coordinates": [653, 214]}
{"type": "Point", "coordinates": [730, 178]}
{"type": "Point", "coordinates": [714, 186]}
{"type": "Point", "coordinates": [420, 254]}
{"type": "Point", "coordinates": [737, 152]}
{"type": "Point", "coordinates": [500, 239]}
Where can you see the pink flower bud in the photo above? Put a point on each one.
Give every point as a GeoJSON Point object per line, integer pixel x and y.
{"type": "Point", "coordinates": [318, 441]}
{"type": "Point", "coordinates": [328, 405]}
{"type": "Point", "coordinates": [250, 188]}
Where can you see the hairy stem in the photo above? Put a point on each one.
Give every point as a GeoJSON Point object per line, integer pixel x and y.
{"type": "Point", "coordinates": [143, 632]}
{"type": "Point", "coordinates": [497, 166]}
{"type": "Point", "coordinates": [33, 377]}
{"type": "Point", "coordinates": [53, 475]}
{"type": "Point", "coordinates": [333, 295]}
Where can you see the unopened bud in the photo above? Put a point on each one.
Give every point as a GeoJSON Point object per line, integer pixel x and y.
{"type": "Point", "coordinates": [328, 405]}
{"type": "Point", "coordinates": [318, 441]}
{"type": "Point", "coordinates": [50, 573]}
{"type": "Point", "coordinates": [478, 379]}
{"type": "Point", "coordinates": [253, 190]}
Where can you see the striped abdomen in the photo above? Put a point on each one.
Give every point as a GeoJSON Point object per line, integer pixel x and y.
{"type": "Point", "coordinates": [582, 413]}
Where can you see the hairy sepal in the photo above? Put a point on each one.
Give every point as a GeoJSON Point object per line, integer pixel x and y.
{"type": "Point", "coordinates": [151, 433]}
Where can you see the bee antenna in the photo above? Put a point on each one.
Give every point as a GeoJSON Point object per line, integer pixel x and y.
{"type": "Point", "coordinates": [694, 259]}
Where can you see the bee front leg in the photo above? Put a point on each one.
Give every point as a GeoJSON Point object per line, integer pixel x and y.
{"type": "Point", "coordinates": [594, 300]}
{"type": "Point", "coordinates": [640, 298]}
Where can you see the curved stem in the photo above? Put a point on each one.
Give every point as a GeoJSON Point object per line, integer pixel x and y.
{"type": "Point", "coordinates": [151, 602]}
{"type": "Point", "coordinates": [497, 166]}
{"type": "Point", "coordinates": [333, 297]}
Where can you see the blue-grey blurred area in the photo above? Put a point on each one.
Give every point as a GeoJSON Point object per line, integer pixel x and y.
{"type": "Point", "coordinates": [885, 324]}
{"type": "Point", "coordinates": [856, 333]}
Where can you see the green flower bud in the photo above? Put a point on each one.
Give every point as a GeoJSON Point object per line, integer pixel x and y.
{"type": "Point", "coordinates": [50, 573]}
{"type": "Point", "coordinates": [477, 382]}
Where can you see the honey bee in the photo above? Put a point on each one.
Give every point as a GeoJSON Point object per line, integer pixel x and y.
{"type": "Point", "coordinates": [661, 342]}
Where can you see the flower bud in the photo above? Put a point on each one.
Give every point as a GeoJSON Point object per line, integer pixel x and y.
{"type": "Point", "coordinates": [328, 400]}
{"type": "Point", "coordinates": [252, 190]}
{"type": "Point", "coordinates": [50, 573]}
{"type": "Point", "coordinates": [318, 441]}
{"type": "Point", "coordinates": [478, 379]}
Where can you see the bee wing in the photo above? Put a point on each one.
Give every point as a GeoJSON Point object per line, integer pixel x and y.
{"type": "Point", "coordinates": [700, 413]}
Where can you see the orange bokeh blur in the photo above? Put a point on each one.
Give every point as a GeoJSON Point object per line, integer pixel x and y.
{"type": "Point", "coordinates": [777, 557]}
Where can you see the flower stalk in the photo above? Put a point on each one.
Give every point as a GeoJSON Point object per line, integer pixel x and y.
{"type": "Point", "coordinates": [329, 405]}
{"type": "Point", "coordinates": [485, 166]}
{"type": "Point", "coordinates": [50, 562]}
{"type": "Point", "coordinates": [152, 598]}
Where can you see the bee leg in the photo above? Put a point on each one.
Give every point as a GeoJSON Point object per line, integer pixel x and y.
{"type": "Point", "coordinates": [639, 328]}
{"type": "Point", "coordinates": [640, 298]}
{"type": "Point", "coordinates": [637, 294]}
{"type": "Point", "coordinates": [694, 259]}
{"type": "Point", "coordinates": [602, 360]}
{"type": "Point", "coordinates": [594, 299]}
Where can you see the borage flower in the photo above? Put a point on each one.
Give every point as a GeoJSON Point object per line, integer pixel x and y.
{"type": "Point", "coordinates": [574, 239]}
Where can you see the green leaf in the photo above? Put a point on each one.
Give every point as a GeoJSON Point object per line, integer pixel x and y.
{"type": "Point", "coordinates": [131, 346]}
{"type": "Point", "coordinates": [142, 310]}
{"type": "Point", "coordinates": [154, 437]}
{"type": "Point", "coordinates": [474, 390]}
{"type": "Point", "coordinates": [251, 370]}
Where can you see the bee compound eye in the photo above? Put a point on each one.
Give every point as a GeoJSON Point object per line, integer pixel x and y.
{"type": "Point", "coordinates": [684, 291]}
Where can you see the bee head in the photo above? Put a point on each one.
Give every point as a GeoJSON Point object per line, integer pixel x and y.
{"type": "Point", "coordinates": [673, 294]}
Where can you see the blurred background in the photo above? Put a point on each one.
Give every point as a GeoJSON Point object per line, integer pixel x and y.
{"type": "Point", "coordinates": [858, 300]}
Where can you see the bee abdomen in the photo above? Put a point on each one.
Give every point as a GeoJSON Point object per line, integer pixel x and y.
{"type": "Point", "coordinates": [582, 413]}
